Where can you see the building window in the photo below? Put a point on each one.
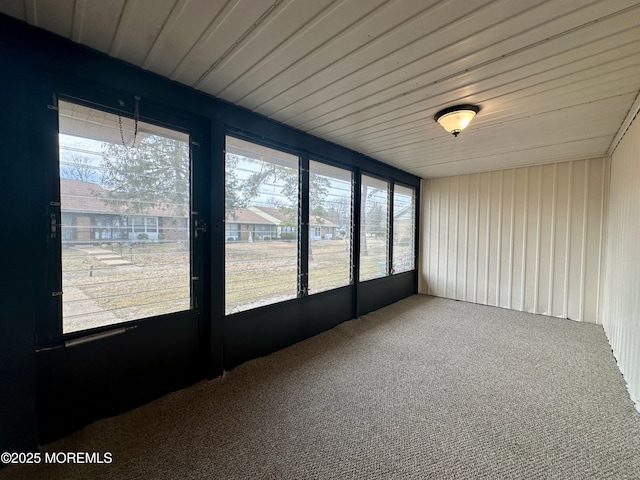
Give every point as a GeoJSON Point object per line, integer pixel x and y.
{"type": "Point", "coordinates": [144, 228]}
{"type": "Point", "coordinates": [138, 225]}
{"type": "Point", "coordinates": [261, 195]}
{"type": "Point", "coordinates": [231, 231]}
{"type": "Point", "coordinates": [374, 228]}
{"type": "Point", "coordinates": [404, 212]}
{"type": "Point", "coordinates": [330, 221]}
{"type": "Point", "coordinates": [152, 224]}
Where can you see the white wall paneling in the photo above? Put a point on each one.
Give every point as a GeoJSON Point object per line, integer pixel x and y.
{"type": "Point", "coordinates": [621, 289]}
{"type": "Point", "coordinates": [526, 238]}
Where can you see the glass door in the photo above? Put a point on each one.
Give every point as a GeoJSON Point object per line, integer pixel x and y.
{"type": "Point", "coordinates": [125, 219]}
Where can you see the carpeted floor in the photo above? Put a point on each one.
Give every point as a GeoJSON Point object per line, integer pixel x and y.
{"type": "Point", "coordinates": [425, 388]}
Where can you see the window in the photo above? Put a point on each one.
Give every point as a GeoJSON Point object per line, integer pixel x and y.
{"type": "Point", "coordinates": [374, 228]}
{"type": "Point", "coordinates": [404, 211]}
{"type": "Point", "coordinates": [144, 228]}
{"type": "Point", "coordinates": [152, 224]}
{"type": "Point", "coordinates": [138, 225]}
{"type": "Point", "coordinates": [261, 197]}
{"type": "Point", "coordinates": [330, 220]}
{"type": "Point", "coordinates": [113, 196]}
{"type": "Point", "coordinates": [231, 231]}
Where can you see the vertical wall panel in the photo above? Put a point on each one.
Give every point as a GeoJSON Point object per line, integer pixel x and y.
{"type": "Point", "coordinates": [461, 246]}
{"type": "Point", "coordinates": [483, 238]}
{"type": "Point", "coordinates": [442, 225]}
{"type": "Point", "coordinates": [423, 254]}
{"type": "Point", "coordinates": [430, 211]}
{"type": "Point", "coordinates": [521, 180]}
{"type": "Point", "coordinates": [506, 239]}
{"type": "Point", "coordinates": [531, 251]}
{"type": "Point", "coordinates": [452, 226]}
{"type": "Point", "coordinates": [546, 221]}
{"type": "Point", "coordinates": [621, 289]}
{"type": "Point", "coordinates": [494, 237]}
{"type": "Point", "coordinates": [593, 242]}
{"type": "Point", "coordinates": [576, 241]}
{"type": "Point", "coordinates": [528, 238]}
{"type": "Point", "coordinates": [472, 244]}
{"type": "Point", "coordinates": [563, 192]}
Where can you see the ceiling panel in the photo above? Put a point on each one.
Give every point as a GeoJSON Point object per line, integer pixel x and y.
{"type": "Point", "coordinates": [458, 79]}
{"type": "Point", "coordinates": [499, 98]}
{"type": "Point", "coordinates": [53, 15]}
{"type": "Point", "coordinates": [96, 26]}
{"type": "Point", "coordinates": [555, 79]}
{"type": "Point", "coordinates": [280, 30]}
{"type": "Point", "coordinates": [355, 29]}
{"type": "Point", "coordinates": [14, 8]}
{"type": "Point", "coordinates": [227, 30]}
{"type": "Point", "coordinates": [138, 29]}
{"type": "Point", "coordinates": [399, 57]}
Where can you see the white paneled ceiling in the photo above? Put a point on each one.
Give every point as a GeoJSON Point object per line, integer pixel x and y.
{"type": "Point", "coordinates": [555, 79]}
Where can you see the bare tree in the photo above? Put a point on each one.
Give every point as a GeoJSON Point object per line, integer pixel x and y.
{"type": "Point", "coordinates": [79, 168]}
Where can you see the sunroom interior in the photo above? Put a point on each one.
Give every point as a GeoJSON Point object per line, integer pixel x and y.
{"type": "Point", "coordinates": [192, 185]}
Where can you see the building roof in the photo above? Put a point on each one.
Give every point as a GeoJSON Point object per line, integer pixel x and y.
{"type": "Point", "coordinates": [244, 215]}
{"type": "Point", "coordinates": [270, 216]}
{"type": "Point", "coordinates": [88, 197]}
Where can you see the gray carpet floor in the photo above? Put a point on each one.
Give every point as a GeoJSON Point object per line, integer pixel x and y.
{"type": "Point", "coordinates": [425, 388]}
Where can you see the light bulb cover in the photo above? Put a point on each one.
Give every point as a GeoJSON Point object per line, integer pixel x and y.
{"type": "Point", "coordinates": [455, 119]}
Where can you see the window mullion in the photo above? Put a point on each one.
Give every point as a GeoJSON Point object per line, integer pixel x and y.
{"type": "Point", "coordinates": [303, 237]}
{"type": "Point", "coordinates": [390, 229]}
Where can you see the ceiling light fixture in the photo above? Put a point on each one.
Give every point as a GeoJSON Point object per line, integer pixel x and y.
{"type": "Point", "coordinates": [455, 119]}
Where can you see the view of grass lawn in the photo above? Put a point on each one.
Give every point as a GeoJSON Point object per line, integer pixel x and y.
{"type": "Point", "coordinates": [154, 278]}
{"type": "Point", "coordinates": [262, 273]}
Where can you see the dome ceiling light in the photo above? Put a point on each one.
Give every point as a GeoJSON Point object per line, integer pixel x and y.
{"type": "Point", "coordinates": [455, 119]}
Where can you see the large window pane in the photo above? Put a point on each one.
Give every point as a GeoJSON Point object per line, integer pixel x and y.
{"type": "Point", "coordinates": [404, 213]}
{"type": "Point", "coordinates": [374, 228]}
{"type": "Point", "coordinates": [125, 219]}
{"type": "Point", "coordinates": [261, 200]}
{"type": "Point", "coordinates": [330, 220]}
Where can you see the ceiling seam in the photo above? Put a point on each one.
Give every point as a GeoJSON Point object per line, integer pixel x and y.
{"type": "Point", "coordinates": [31, 11]}
{"type": "Point", "coordinates": [79, 9]}
{"type": "Point", "coordinates": [626, 123]}
{"type": "Point", "coordinates": [204, 37]}
{"type": "Point", "coordinates": [285, 43]}
{"type": "Point", "coordinates": [167, 26]}
{"type": "Point", "coordinates": [314, 52]}
{"type": "Point", "coordinates": [237, 42]}
{"type": "Point", "coordinates": [114, 48]}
